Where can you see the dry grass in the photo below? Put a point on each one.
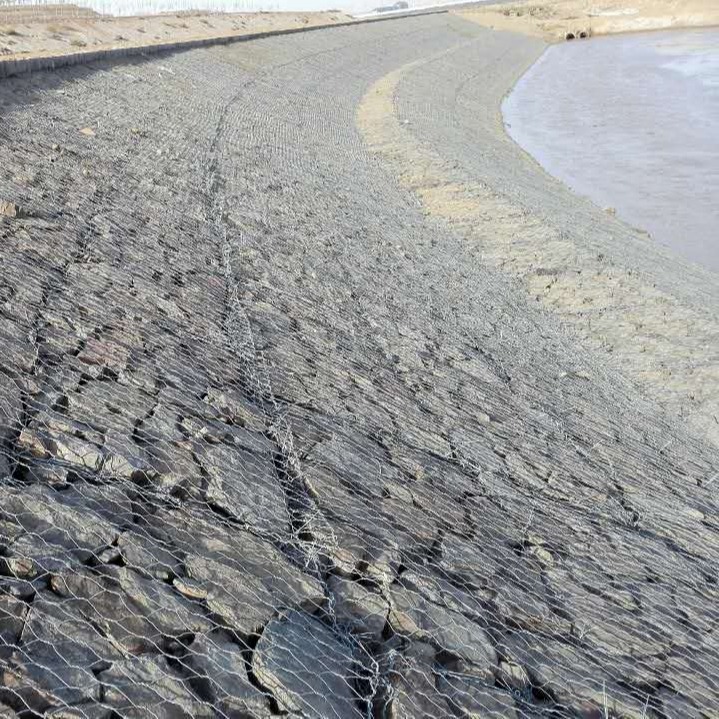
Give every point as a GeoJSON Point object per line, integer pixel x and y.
{"type": "Point", "coordinates": [59, 29]}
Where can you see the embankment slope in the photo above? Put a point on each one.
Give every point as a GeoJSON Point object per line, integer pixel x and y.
{"type": "Point", "coordinates": [277, 437]}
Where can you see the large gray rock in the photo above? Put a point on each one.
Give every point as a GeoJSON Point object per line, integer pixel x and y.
{"type": "Point", "coordinates": [619, 631]}
{"type": "Point", "coordinates": [571, 676]}
{"type": "Point", "coordinates": [110, 352]}
{"type": "Point", "coordinates": [306, 668]}
{"type": "Point", "coordinates": [419, 526]}
{"type": "Point", "coordinates": [110, 502]}
{"type": "Point", "coordinates": [30, 558]}
{"type": "Point", "coordinates": [51, 436]}
{"type": "Point", "coordinates": [166, 451]}
{"type": "Point", "coordinates": [45, 513]}
{"type": "Point", "coordinates": [218, 667]}
{"type": "Point", "coordinates": [149, 555]}
{"type": "Point", "coordinates": [350, 461]}
{"type": "Point", "coordinates": [245, 588]}
{"type": "Point", "coordinates": [109, 405]}
{"type": "Point", "coordinates": [243, 482]}
{"type": "Point", "coordinates": [234, 406]}
{"type": "Point", "coordinates": [90, 710]}
{"type": "Point", "coordinates": [415, 618]}
{"type": "Point", "coordinates": [474, 564]}
{"type": "Point", "coordinates": [362, 610]}
{"type": "Point", "coordinates": [12, 620]}
{"type": "Point", "coordinates": [691, 682]}
{"type": "Point", "coordinates": [125, 459]}
{"type": "Point", "coordinates": [473, 698]}
{"type": "Point", "coordinates": [18, 347]}
{"type": "Point", "coordinates": [521, 599]}
{"type": "Point", "coordinates": [139, 614]}
{"type": "Point", "coordinates": [60, 651]}
{"type": "Point", "coordinates": [10, 416]}
{"type": "Point", "coordinates": [17, 588]}
{"type": "Point", "coordinates": [437, 589]}
{"type": "Point", "coordinates": [58, 338]}
{"type": "Point", "coordinates": [413, 681]}
{"type": "Point", "coordinates": [147, 686]}
{"type": "Point", "coordinates": [22, 692]}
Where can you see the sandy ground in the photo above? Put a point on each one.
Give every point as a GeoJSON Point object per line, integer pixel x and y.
{"type": "Point", "coordinates": [555, 19]}
{"type": "Point", "coordinates": [73, 30]}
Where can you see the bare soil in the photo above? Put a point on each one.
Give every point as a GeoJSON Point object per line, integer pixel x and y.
{"type": "Point", "coordinates": [568, 19]}
{"type": "Point", "coordinates": [58, 30]}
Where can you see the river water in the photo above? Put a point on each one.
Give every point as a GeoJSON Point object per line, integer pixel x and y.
{"type": "Point", "coordinates": [632, 122]}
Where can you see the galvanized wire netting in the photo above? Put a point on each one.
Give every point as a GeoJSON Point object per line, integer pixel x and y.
{"type": "Point", "coordinates": [275, 444]}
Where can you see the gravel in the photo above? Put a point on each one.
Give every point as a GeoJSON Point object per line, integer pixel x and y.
{"type": "Point", "coordinates": [243, 371]}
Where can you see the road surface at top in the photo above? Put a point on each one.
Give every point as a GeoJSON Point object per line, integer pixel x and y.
{"type": "Point", "coordinates": [276, 437]}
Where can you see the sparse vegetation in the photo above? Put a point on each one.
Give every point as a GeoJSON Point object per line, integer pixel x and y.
{"type": "Point", "coordinates": [76, 42]}
{"type": "Point", "coordinates": [59, 29]}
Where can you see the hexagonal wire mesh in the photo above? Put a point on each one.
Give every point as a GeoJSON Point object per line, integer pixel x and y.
{"type": "Point", "coordinates": [275, 443]}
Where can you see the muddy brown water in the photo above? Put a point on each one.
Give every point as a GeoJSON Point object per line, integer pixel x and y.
{"type": "Point", "coordinates": [632, 122]}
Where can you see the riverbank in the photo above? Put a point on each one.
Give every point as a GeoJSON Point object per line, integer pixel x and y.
{"type": "Point", "coordinates": [652, 315]}
{"type": "Point", "coordinates": [555, 20]}
{"type": "Point", "coordinates": [69, 31]}
{"type": "Point", "coordinates": [631, 121]}
{"type": "Point", "coordinates": [277, 436]}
